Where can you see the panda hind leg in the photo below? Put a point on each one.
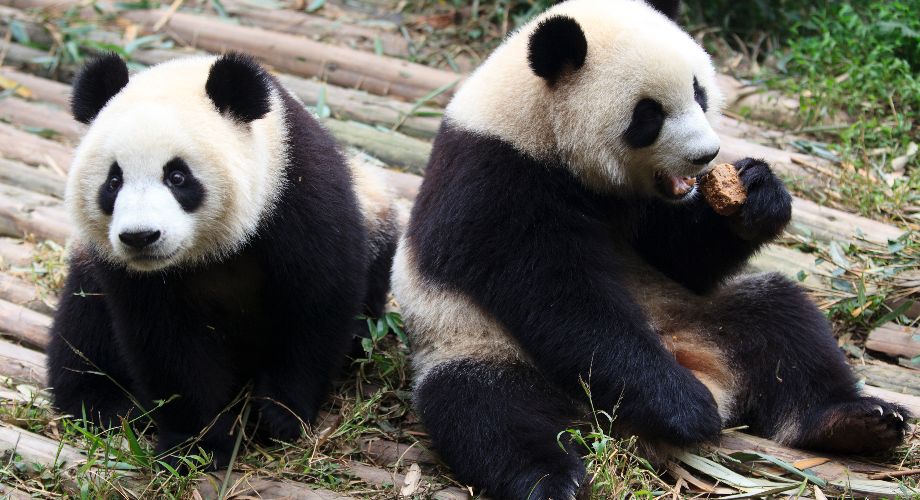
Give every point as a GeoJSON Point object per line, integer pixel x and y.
{"type": "Point", "coordinates": [796, 386]}
{"type": "Point", "coordinates": [497, 427]}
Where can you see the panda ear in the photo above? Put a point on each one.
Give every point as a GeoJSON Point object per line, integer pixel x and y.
{"type": "Point", "coordinates": [670, 8]}
{"type": "Point", "coordinates": [558, 44]}
{"type": "Point", "coordinates": [239, 87]}
{"type": "Point", "coordinates": [97, 82]}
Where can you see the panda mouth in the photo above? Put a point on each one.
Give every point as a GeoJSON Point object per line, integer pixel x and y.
{"type": "Point", "coordinates": [674, 187]}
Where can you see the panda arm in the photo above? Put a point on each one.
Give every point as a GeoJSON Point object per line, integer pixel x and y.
{"type": "Point", "coordinates": [85, 369]}
{"type": "Point", "coordinates": [693, 245]}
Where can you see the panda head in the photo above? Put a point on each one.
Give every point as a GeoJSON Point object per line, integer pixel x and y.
{"type": "Point", "coordinates": [612, 88]}
{"type": "Point", "coordinates": [180, 162]}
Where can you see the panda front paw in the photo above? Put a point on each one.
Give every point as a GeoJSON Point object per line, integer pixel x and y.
{"type": "Point", "coordinates": [279, 423]}
{"type": "Point", "coordinates": [768, 207]}
{"type": "Point", "coordinates": [682, 414]}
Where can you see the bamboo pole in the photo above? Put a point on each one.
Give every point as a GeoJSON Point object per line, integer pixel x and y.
{"type": "Point", "coordinates": [318, 28]}
{"type": "Point", "coordinates": [22, 364]}
{"type": "Point", "coordinates": [24, 324]}
{"type": "Point", "coordinates": [32, 149]}
{"type": "Point", "coordinates": [25, 213]}
{"type": "Point", "coordinates": [339, 65]}
{"type": "Point", "coordinates": [22, 293]}
{"type": "Point", "coordinates": [895, 340]}
{"type": "Point", "coordinates": [32, 179]}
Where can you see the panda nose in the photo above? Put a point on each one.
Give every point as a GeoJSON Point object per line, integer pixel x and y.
{"type": "Point", "coordinates": [139, 239]}
{"type": "Point", "coordinates": [702, 160]}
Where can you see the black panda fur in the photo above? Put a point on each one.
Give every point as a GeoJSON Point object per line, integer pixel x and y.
{"type": "Point", "coordinates": [279, 313]}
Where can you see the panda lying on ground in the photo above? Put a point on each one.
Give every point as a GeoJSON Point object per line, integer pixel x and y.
{"type": "Point", "coordinates": [220, 241]}
{"type": "Point", "coordinates": [554, 240]}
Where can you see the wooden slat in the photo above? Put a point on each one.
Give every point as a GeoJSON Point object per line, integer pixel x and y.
{"type": "Point", "coordinates": [339, 65]}
{"type": "Point", "coordinates": [317, 28]}
{"type": "Point", "coordinates": [892, 377]}
{"type": "Point", "coordinates": [24, 212]}
{"type": "Point", "coordinates": [22, 293]}
{"type": "Point", "coordinates": [42, 89]}
{"type": "Point", "coordinates": [15, 252]}
{"type": "Point", "coordinates": [38, 180]}
{"type": "Point", "coordinates": [32, 149]}
{"type": "Point", "coordinates": [895, 340]}
{"type": "Point", "coordinates": [22, 364]}
{"type": "Point", "coordinates": [24, 324]}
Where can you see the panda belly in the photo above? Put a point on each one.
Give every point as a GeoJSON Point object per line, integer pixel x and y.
{"type": "Point", "coordinates": [687, 327]}
{"type": "Point", "coordinates": [445, 325]}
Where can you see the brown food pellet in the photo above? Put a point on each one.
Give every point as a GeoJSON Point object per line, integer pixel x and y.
{"type": "Point", "coordinates": [723, 189]}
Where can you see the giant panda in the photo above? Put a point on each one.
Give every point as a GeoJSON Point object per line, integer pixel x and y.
{"type": "Point", "coordinates": [554, 243]}
{"type": "Point", "coordinates": [222, 242]}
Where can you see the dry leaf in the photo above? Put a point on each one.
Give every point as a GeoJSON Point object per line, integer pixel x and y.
{"type": "Point", "coordinates": [808, 463]}
{"type": "Point", "coordinates": [410, 483]}
{"type": "Point", "coordinates": [819, 495]}
{"type": "Point", "coordinates": [21, 91]}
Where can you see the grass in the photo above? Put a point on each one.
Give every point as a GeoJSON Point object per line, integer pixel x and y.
{"type": "Point", "coordinates": [858, 65]}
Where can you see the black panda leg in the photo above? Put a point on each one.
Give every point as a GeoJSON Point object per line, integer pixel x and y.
{"type": "Point", "coordinates": [378, 278]}
{"type": "Point", "coordinates": [497, 428]}
{"type": "Point", "coordinates": [85, 369]}
{"type": "Point", "coordinates": [795, 385]}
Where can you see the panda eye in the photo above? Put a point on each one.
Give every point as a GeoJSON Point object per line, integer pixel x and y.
{"type": "Point", "coordinates": [114, 183]}
{"type": "Point", "coordinates": [175, 178]}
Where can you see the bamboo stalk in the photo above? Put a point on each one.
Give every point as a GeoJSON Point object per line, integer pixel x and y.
{"type": "Point", "coordinates": [42, 89]}
{"type": "Point", "coordinates": [32, 149]}
{"type": "Point", "coordinates": [26, 213]}
{"type": "Point", "coordinates": [15, 252]}
{"type": "Point", "coordinates": [24, 324]}
{"type": "Point", "coordinates": [317, 28]}
{"type": "Point", "coordinates": [25, 114]}
{"type": "Point", "coordinates": [22, 293]}
{"type": "Point", "coordinates": [895, 340]}
{"type": "Point", "coordinates": [339, 65]}
{"type": "Point", "coordinates": [22, 364]}
{"type": "Point", "coordinates": [32, 179]}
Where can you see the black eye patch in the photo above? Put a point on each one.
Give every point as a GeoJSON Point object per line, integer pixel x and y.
{"type": "Point", "coordinates": [185, 188]}
{"type": "Point", "coordinates": [109, 189]}
{"type": "Point", "coordinates": [647, 120]}
{"type": "Point", "coordinates": [699, 95]}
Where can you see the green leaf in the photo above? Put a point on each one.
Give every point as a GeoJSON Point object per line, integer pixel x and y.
{"type": "Point", "coordinates": [838, 256]}
{"type": "Point", "coordinates": [901, 309]}
{"type": "Point", "coordinates": [134, 445]}
{"type": "Point", "coordinates": [18, 31]}
{"type": "Point", "coordinates": [315, 5]}
{"type": "Point", "coordinates": [367, 344]}
{"type": "Point", "coordinates": [219, 7]}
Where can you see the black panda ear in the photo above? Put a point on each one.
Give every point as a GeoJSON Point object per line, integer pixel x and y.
{"type": "Point", "coordinates": [99, 80]}
{"type": "Point", "coordinates": [556, 45]}
{"type": "Point", "coordinates": [239, 87]}
{"type": "Point", "coordinates": [670, 8]}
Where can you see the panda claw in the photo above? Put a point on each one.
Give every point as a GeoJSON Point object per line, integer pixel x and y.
{"type": "Point", "coordinates": [881, 412]}
{"type": "Point", "coordinates": [899, 416]}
